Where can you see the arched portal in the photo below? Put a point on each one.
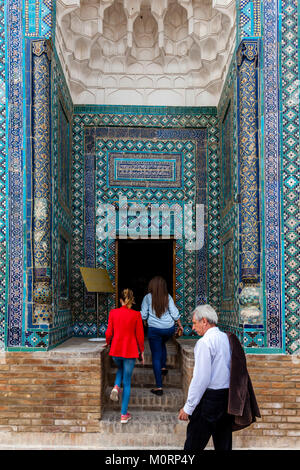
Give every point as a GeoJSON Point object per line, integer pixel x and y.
{"type": "Point", "coordinates": [147, 88]}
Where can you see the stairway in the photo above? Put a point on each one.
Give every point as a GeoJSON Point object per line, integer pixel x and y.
{"type": "Point", "coordinates": [154, 421]}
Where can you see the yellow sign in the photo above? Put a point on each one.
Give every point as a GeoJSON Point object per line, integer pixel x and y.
{"type": "Point", "coordinates": [96, 280]}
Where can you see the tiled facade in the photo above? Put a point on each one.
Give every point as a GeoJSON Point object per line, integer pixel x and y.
{"type": "Point", "coordinates": [168, 130]}
{"type": "Point", "coordinates": [56, 285]}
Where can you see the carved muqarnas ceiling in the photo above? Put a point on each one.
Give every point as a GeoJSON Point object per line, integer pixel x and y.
{"type": "Point", "coordinates": [145, 52]}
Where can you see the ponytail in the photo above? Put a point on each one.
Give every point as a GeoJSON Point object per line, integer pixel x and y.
{"type": "Point", "coordinates": [127, 297]}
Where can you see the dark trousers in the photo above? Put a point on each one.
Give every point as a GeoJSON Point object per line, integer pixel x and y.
{"type": "Point", "coordinates": [210, 418]}
{"type": "Point", "coordinates": [157, 341]}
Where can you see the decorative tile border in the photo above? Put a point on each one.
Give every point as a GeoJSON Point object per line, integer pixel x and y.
{"type": "Point", "coordinates": [229, 311]}
{"type": "Point", "coordinates": [290, 86]}
{"type": "Point", "coordinates": [2, 175]}
{"type": "Point", "coordinates": [41, 173]}
{"type": "Point", "coordinates": [59, 329]}
{"type": "Point", "coordinates": [32, 18]}
{"type": "Point", "coordinates": [61, 215]}
{"type": "Point", "coordinates": [247, 112]}
{"type": "Point", "coordinates": [272, 198]}
{"type": "Point", "coordinates": [249, 18]}
{"type": "Point", "coordinates": [15, 161]}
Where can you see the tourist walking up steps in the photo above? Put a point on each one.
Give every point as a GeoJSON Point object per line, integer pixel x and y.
{"type": "Point", "coordinates": [159, 310]}
{"type": "Point", "coordinates": [125, 335]}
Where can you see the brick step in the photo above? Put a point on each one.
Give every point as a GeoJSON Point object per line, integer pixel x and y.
{"type": "Point", "coordinates": [145, 429]}
{"type": "Point", "coordinates": [143, 399]}
{"type": "Point", "coordinates": [144, 377]}
{"type": "Point", "coordinates": [173, 355]}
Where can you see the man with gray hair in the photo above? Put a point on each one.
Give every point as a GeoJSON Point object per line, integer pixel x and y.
{"type": "Point", "coordinates": [207, 401]}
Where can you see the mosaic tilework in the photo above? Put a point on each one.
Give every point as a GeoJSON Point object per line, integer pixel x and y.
{"type": "Point", "coordinates": [272, 200]}
{"type": "Point", "coordinates": [46, 336]}
{"type": "Point", "coordinates": [247, 63]}
{"type": "Point", "coordinates": [128, 117]}
{"type": "Point", "coordinates": [39, 18]}
{"type": "Point", "coordinates": [64, 145]}
{"type": "Point", "coordinates": [290, 84]}
{"type": "Point", "coordinates": [61, 217]}
{"type": "Point", "coordinates": [229, 232]}
{"type": "Point", "coordinates": [154, 194]}
{"type": "Point", "coordinates": [226, 151]}
{"type": "Point", "coordinates": [41, 230]}
{"type": "Point", "coordinates": [249, 18]}
{"type": "Point", "coordinates": [32, 18]}
{"type": "Point", "coordinates": [186, 286]}
{"type": "Point", "coordinates": [15, 159]}
{"type": "Point", "coordinates": [46, 17]}
{"type": "Point", "coordinates": [2, 178]}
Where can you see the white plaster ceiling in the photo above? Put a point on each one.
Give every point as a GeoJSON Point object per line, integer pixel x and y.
{"type": "Point", "coordinates": [145, 52]}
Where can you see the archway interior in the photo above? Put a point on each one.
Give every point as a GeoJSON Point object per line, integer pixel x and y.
{"type": "Point", "coordinates": [139, 261]}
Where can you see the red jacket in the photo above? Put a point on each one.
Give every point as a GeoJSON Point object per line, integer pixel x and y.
{"type": "Point", "coordinates": [125, 333]}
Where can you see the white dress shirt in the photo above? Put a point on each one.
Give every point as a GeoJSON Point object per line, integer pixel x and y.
{"type": "Point", "coordinates": [212, 366]}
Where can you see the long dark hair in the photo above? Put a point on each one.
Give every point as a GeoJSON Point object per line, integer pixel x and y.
{"type": "Point", "coordinates": [160, 297]}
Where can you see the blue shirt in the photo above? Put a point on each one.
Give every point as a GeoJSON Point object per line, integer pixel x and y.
{"type": "Point", "coordinates": [167, 319]}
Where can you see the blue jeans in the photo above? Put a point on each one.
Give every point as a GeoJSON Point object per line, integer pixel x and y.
{"type": "Point", "coordinates": [157, 340]}
{"type": "Point", "coordinates": [124, 373]}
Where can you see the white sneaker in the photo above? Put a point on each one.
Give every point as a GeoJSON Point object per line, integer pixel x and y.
{"type": "Point", "coordinates": [114, 394]}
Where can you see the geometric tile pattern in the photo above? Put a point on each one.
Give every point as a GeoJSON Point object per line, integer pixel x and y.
{"type": "Point", "coordinates": [272, 198]}
{"type": "Point", "coordinates": [229, 223]}
{"type": "Point", "coordinates": [168, 123]}
{"type": "Point", "coordinates": [61, 219]}
{"type": "Point", "coordinates": [155, 194]}
{"type": "Point", "coordinates": [247, 64]}
{"type": "Point", "coordinates": [15, 160]}
{"type": "Point", "coordinates": [186, 286]}
{"type": "Point", "coordinates": [253, 338]}
{"type": "Point", "coordinates": [290, 84]}
{"type": "Point", "coordinates": [2, 178]}
{"type": "Point", "coordinates": [41, 224]}
{"type": "Point", "coordinates": [32, 18]}
{"type": "Point", "coordinates": [46, 17]}
{"type": "Point", "coordinates": [249, 24]}
{"type": "Point", "coordinates": [61, 222]}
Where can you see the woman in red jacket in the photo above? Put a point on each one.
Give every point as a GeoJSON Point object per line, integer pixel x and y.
{"type": "Point", "coordinates": [125, 335]}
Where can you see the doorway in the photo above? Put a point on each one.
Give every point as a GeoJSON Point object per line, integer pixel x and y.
{"type": "Point", "coordinates": [138, 261]}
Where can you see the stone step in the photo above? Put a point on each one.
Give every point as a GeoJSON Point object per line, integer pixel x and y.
{"type": "Point", "coordinates": [144, 377]}
{"type": "Point", "coordinates": [143, 399]}
{"type": "Point", "coordinates": [146, 429]}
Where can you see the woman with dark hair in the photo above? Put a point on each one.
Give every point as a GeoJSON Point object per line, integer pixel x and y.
{"type": "Point", "coordinates": [125, 335]}
{"type": "Point", "coordinates": [159, 310]}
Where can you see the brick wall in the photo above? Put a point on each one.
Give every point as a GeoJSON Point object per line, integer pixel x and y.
{"type": "Point", "coordinates": [276, 381]}
{"type": "Point", "coordinates": [50, 391]}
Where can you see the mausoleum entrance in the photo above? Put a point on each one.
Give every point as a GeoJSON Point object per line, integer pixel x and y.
{"type": "Point", "coordinates": [138, 261]}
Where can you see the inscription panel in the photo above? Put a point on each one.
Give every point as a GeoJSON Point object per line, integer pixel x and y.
{"type": "Point", "coordinates": [142, 169]}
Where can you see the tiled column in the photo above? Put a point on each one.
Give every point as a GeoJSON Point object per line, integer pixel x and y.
{"type": "Point", "coordinates": [247, 64]}
{"type": "Point", "coordinates": [42, 289]}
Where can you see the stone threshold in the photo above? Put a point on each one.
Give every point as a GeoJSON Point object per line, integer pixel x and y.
{"type": "Point", "coordinates": [96, 441]}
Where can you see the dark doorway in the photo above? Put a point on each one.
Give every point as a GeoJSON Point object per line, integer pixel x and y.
{"type": "Point", "coordinates": [140, 260]}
